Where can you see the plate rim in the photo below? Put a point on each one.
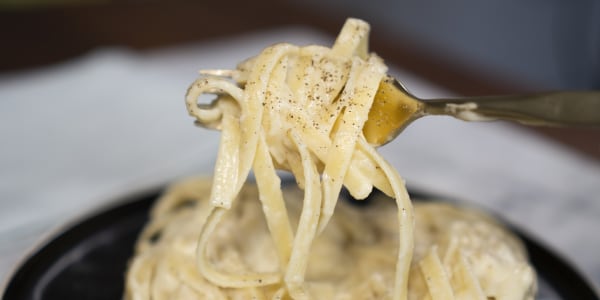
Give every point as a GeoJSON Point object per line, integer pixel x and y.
{"type": "Point", "coordinates": [112, 203]}
{"type": "Point", "coordinates": [140, 196]}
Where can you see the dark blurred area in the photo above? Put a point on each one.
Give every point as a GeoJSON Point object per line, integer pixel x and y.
{"type": "Point", "coordinates": [549, 44]}
{"type": "Point", "coordinates": [469, 47]}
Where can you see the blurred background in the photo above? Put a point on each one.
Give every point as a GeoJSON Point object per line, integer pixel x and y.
{"type": "Point", "coordinates": [91, 102]}
{"type": "Point", "coordinates": [538, 44]}
{"type": "Point", "coordinates": [541, 44]}
{"type": "Point", "coordinates": [470, 47]}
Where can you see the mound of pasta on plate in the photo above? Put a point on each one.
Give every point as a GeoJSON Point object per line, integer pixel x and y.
{"type": "Point", "coordinates": [302, 110]}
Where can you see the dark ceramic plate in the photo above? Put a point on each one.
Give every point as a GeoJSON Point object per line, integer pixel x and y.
{"type": "Point", "coordinates": [89, 259]}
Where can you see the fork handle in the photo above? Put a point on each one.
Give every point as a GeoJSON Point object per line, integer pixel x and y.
{"type": "Point", "coordinates": [544, 109]}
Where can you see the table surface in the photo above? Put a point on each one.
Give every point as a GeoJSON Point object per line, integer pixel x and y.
{"type": "Point", "coordinates": [87, 128]}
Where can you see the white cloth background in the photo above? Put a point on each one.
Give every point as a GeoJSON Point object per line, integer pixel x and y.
{"type": "Point", "coordinates": [75, 135]}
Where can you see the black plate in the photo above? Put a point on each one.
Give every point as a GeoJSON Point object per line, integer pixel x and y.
{"type": "Point", "coordinates": [88, 260]}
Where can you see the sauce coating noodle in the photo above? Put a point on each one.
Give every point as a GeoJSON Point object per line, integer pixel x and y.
{"type": "Point", "coordinates": [353, 258]}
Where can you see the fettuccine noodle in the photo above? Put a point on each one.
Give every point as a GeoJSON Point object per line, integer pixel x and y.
{"type": "Point", "coordinates": [300, 109]}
